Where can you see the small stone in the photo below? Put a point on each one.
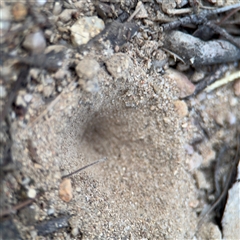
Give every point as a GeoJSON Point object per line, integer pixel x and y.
{"type": "Point", "coordinates": [48, 91]}
{"type": "Point", "coordinates": [208, 154]}
{"type": "Point", "coordinates": [41, 2]}
{"type": "Point", "coordinates": [50, 211]}
{"type": "Point", "coordinates": [86, 28]}
{"type": "Point", "coordinates": [185, 87]}
{"type": "Point", "coordinates": [87, 68]}
{"type": "Point", "coordinates": [194, 203]}
{"type": "Point", "coordinates": [60, 74]}
{"type": "Point", "coordinates": [201, 180]}
{"type": "Point", "coordinates": [234, 102]}
{"type": "Point", "coordinates": [19, 11]}
{"type": "Point", "coordinates": [26, 181]}
{"type": "Point", "coordinates": [57, 8]}
{"type": "Point", "coordinates": [5, 21]}
{"type": "Point", "coordinates": [31, 193]}
{"type": "Point", "coordinates": [34, 73]}
{"type": "Point", "coordinates": [211, 231]}
{"type": "Point", "coordinates": [198, 75]}
{"type": "Point", "coordinates": [66, 15]}
{"type": "Point", "coordinates": [55, 48]}
{"type": "Point", "coordinates": [231, 216]}
{"type": "Point", "coordinates": [236, 87]}
{"type": "Point", "coordinates": [143, 12]}
{"type": "Point", "coordinates": [3, 92]}
{"type": "Point", "coordinates": [5, 14]}
{"type": "Point", "coordinates": [189, 149]}
{"type": "Point", "coordinates": [118, 65]}
{"type": "Point", "coordinates": [65, 190]}
{"type": "Point", "coordinates": [35, 42]}
{"type": "Point", "coordinates": [59, 89]}
{"type": "Point", "coordinates": [166, 120]}
{"type": "Point", "coordinates": [194, 161]}
{"type": "Point", "coordinates": [220, 117]}
{"type": "Point", "coordinates": [152, 108]}
{"type": "Point", "coordinates": [231, 118]}
{"type": "Point", "coordinates": [33, 234]}
{"type": "Point", "coordinates": [181, 108]}
{"type": "Point", "coordinates": [20, 101]}
{"type": "Point", "coordinates": [27, 98]}
{"type": "Point", "coordinates": [90, 86]}
{"type": "Point", "coordinates": [75, 232]}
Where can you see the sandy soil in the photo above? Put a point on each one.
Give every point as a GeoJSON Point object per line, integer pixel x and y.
{"type": "Point", "coordinates": [160, 150]}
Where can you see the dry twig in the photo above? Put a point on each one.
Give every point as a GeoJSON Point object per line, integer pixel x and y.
{"type": "Point", "coordinates": [80, 169]}
{"type": "Point", "coordinates": [196, 19]}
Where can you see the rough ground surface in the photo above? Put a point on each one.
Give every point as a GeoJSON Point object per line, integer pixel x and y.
{"type": "Point", "coordinates": [157, 177]}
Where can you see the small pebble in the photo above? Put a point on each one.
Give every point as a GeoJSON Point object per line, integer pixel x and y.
{"type": "Point", "coordinates": [26, 181]}
{"type": "Point", "coordinates": [75, 232]}
{"type": "Point", "coordinates": [208, 154]}
{"type": "Point", "coordinates": [220, 117]}
{"type": "Point", "coordinates": [233, 101]}
{"type": "Point", "coordinates": [185, 87]}
{"type": "Point", "coordinates": [194, 203]}
{"type": "Point", "coordinates": [181, 108]}
{"type": "Point", "coordinates": [66, 15]}
{"type": "Point", "coordinates": [41, 2]}
{"type": "Point", "coordinates": [118, 65]}
{"type": "Point", "coordinates": [31, 193]}
{"type": "Point", "coordinates": [201, 180]}
{"type": "Point", "coordinates": [20, 101]}
{"type": "Point", "coordinates": [65, 190]}
{"type": "Point", "coordinates": [48, 91]}
{"type": "Point", "coordinates": [57, 8]}
{"type": "Point", "coordinates": [194, 161]}
{"type": "Point", "coordinates": [143, 12]}
{"type": "Point", "coordinates": [33, 234]}
{"type": "Point", "coordinates": [50, 211]}
{"type": "Point", "coordinates": [35, 42]}
{"type": "Point", "coordinates": [189, 149]}
{"type": "Point", "coordinates": [27, 98]}
{"type": "Point", "coordinates": [59, 89]}
{"type": "Point", "coordinates": [85, 29]}
{"type": "Point", "coordinates": [90, 85]}
{"type": "Point", "coordinates": [236, 87]}
{"type": "Point", "coordinates": [3, 92]}
{"type": "Point", "coordinates": [87, 68]}
{"type": "Point", "coordinates": [5, 21]}
{"type": "Point", "coordinates": [19, 11]}
{"type": "Point", "coordinates": [197, 75]}
{"type": "Point", "coordinates": [231, 118]}
{"type": "Point", "coordinates": [210, 230]}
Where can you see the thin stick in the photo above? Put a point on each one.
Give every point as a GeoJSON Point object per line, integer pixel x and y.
{"type": "Point", "coordinates": [223, 33]}
{"type": "Point", "coordinates": [196, 18]}
{"type": "Point", "coordinates": [228, 16]}
{"type": "Point", "coordinates": [223, 81]}
{"type": "Point", "coordinates": [17, 207]}
{"type": "Point", "coordinates": [80, 169]}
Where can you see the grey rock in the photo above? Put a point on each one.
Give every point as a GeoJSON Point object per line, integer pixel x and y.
{"type": "Point", "coordinates": [35, 42]}
{"type": "Point", "coordinates": [86, 28]}
{"type": "Point", "coordinates": [87, 68]}
{"type": "Point", "coordinates": [231, 216]}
